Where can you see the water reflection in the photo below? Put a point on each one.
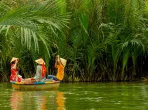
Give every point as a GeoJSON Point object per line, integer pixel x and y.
{"type": "Point", "coordinates": [37, 100]}
{"type": "Point", "coordinates": [60, 100]}
{"type": "Point", "coordinates": [16, 98]}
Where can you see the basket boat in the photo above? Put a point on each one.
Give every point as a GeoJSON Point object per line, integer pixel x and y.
{"type": "Point", "coordinates": [52, 85]}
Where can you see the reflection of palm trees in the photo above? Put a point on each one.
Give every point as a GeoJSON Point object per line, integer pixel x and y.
{"type": "Point", "coordinates": [37, 100]}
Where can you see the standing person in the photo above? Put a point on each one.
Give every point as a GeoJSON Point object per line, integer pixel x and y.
{"type": "Point", "coordinates": [40, 70]}
{"type": "Point", "coordinates": [14, 70]}
{"type": "Point", "coordinates": [60, 64]}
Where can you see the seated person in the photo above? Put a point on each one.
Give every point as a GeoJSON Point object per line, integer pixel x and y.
{"type": "Point", "coordinates": [60, 64]}
{"type": "Point", "coordinates": [40, 72]}
{"type": "Point", "coordinates": [15, 71]}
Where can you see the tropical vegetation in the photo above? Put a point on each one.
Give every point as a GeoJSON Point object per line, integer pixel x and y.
{"type": "Point", "coordinates": [102, 40]}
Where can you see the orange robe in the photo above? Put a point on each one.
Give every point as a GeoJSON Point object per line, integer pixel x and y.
{"type": "Point", "coordinates": [60, 73]}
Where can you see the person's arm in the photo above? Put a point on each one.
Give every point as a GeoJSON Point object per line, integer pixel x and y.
{"type": "Point", "coordinates": [56, 64]}
{"type": "Point", "coordinates": [13, 66]}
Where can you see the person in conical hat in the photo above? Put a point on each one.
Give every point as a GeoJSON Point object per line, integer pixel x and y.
{"type": "Point", "coordinates": [14, 59]}
{"type": "Point", "coordinates": [40, 72]}
{"type": "Point", "coordinates": [15, 77]}
{"type": "Point", "coordinates": [63, 61]}
{"type": "Point", "coordinates": [40, 69]}
{"type": "Point", "coordinates": [60, 64]}
{"type": "Point", "coordinates": [40, 61]}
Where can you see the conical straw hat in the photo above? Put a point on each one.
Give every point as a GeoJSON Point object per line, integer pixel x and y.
{"type": "Point", "coordinates": [63, 61]}
{"type": "Point", "coordinates": [13, 59]}
{"type": "Point", "coordinates": [40, 61]}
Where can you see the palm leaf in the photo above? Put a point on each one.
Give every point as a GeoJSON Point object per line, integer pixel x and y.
{"type": "Point", "coordinates": [30, 17]}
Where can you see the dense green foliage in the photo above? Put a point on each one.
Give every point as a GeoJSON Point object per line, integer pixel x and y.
{"type": "Point", "coordinates": [103, 40]}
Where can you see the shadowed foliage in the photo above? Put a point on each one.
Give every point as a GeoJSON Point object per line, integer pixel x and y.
{"type": "Point", "coordinates": [102, 40]}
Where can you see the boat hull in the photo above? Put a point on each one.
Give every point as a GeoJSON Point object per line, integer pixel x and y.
{"type": "Point", "coordinates": [40, 87]}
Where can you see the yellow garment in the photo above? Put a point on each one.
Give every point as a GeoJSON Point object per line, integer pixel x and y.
{"type": "Point", "coordinates": [60, 73]}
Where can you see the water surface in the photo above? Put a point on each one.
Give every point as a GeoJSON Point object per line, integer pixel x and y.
{"type": "Point", "coordinates": [78, 96]}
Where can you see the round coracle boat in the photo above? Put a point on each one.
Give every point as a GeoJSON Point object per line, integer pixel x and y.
{"type": "Point", "coordinates": [51, 85]}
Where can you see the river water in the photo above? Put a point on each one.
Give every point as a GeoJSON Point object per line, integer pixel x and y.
{"type": "Point", "coordinates": [78, 96]}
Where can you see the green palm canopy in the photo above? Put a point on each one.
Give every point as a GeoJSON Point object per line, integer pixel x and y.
{"type": "Point", "coordinates": [30, 27]}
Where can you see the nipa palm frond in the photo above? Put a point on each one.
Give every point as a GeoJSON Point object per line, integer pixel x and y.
{"type": "Point", "coordinates": [30, 17]}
